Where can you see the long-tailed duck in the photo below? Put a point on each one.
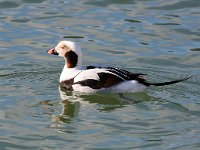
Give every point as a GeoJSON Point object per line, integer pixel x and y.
{"type": "Point", "coordinates": [92, 79]}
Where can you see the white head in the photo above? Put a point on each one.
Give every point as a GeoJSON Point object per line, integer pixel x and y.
{"type": "Point", "coordinates": [71, 51]}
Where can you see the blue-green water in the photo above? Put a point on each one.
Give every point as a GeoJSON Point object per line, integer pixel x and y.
{"type": "Point", "coordinates": [160, 38]}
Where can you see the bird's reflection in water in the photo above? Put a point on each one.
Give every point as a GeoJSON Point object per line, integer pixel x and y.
{"type": "Point", "coordinates": [70, 107]}
{"type": "Point", "coordinates": [72, 102]}
{"type": "Point", "coordinates": [69, 111]}
{"type": "Point", "coordinates": [77, 106]}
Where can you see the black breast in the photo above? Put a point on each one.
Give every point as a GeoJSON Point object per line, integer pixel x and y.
{"type": "Point", "coordinates": [67, 84]}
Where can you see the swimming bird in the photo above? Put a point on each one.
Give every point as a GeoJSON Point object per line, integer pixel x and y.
{"type": "Point", "coordinates": [95, 79]}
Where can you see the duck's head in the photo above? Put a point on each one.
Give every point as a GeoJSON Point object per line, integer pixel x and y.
{"type": "Point", "coordinates": [71, 51]}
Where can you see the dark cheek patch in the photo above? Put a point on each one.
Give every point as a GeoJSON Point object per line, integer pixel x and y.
{"type": "Point", "coordinates": [72, 59]}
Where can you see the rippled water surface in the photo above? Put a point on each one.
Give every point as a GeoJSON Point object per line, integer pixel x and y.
{"type": "Point", "coordinates": [157, 37]}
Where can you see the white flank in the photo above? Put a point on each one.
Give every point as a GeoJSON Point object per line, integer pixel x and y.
{"type": "Point", "coordinates": [127, 87]}
{"type": "Point", "coordinates": [90, 74]}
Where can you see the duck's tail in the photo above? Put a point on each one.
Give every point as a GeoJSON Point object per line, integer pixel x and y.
{"type": "Point", "coordinates": [169, 82]}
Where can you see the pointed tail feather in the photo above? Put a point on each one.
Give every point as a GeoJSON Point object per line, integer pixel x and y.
{"type": "Point", "coordinates": [169, 82]}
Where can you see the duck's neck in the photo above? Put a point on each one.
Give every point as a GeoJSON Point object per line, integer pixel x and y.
{"type": "Point", "coordinates": [73, 65]}
{"type": "Point", "coordinates": [69, 72]}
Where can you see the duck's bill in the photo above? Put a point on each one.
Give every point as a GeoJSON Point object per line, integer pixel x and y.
{"type": "Point", "coordinates": [52, 52]}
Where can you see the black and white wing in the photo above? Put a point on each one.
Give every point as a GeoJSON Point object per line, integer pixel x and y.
{"type": "Point", "coordinates": [105, 77]}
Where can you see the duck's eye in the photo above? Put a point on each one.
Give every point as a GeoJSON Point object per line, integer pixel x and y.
{"type": "Point", "coordinates": [62, 47]}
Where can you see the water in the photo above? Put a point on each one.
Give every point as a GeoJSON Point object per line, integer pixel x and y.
{"type": "Point", "coordinates": [160, 38]}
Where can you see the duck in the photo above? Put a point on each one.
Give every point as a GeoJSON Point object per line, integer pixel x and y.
{"type": "Point", "coordinates": [98, 79]}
